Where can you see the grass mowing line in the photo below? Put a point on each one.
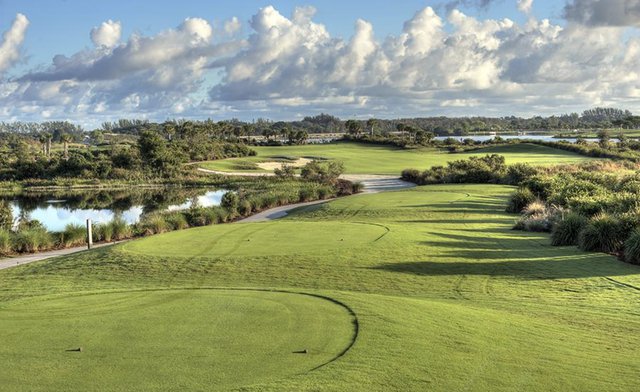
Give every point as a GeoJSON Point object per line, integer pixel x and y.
{"type": "Point", "coordinates": [379, 225]}
{"type": "Point", "coordinates": [619, 283]}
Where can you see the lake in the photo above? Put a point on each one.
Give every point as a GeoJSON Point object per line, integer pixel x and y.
{"type": "Point", "coordinates": [55, 210]}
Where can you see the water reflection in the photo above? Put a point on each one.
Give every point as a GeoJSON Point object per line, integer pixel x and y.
{"type": "Point", "coordinates": [56, 210]}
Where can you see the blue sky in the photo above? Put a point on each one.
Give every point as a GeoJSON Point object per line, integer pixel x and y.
{"type": "Point", "coordinates": [452, 59]}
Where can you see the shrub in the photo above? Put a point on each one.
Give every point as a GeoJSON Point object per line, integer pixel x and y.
{"type": "Point", "coordinates": [196, 217]}
{"type": "Point", "coordinates": [632, 248]}
{"type": "Point", "coordinates": [121, 230]}
{"type": "Point", "coordinates": [176, 221]}
{"type": "Point", "coordinates": [412, 175]}
{"type": "Point", "coordinates": [244, 207]}
{"type": "Point", "coordinates": [536, 207]}
{"type": "Point", "coordinates": [518, 173]}
{"type": "Point", "coordinates": [286, 171]}
{"type": "Point", "coordinates": [323, 172]}
{"type": "Point", "coordinates": [104, 232]}
{"type": "Point", "coordinates": [520, 199]}
{"type": "Point", "coordinates": [325, 192]}
{"type": "Point", "coordinates": [567, 230]}
{"type": "Point", "coordinates": [5, 241]}
{"type": "Point", "coordinates": [357, 187]}
{"type": "Point", "coordinates": [538, 217]}
{"type": "Point", "coordinates": [73, 235]}
{"type": "Point", "coordinates": [603, 233]}
{"type": "Point", "coordinates": [306, 194]}
{"type": "Point", "coordinates": [230, 201]}
{"type": "Point", "coordinates": [153, 224]}
{"type": "Point", "coordinates": [33, 240]}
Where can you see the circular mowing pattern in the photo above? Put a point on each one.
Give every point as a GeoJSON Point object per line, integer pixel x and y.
{"type": "Point", "coordinates": [169, 339]}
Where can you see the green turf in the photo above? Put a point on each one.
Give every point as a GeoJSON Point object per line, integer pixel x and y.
{"type": "Point", "coordinates": [163, 339]}
{"type": "Point", "coordinates": [448, 299]}
{"type": "Point", "coordinates": [373, 159]}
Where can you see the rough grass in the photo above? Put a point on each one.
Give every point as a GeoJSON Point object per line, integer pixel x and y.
{"type": "Point", "coordinates": [372, 159]}
{"type": "Point", "coordinates": [448, 299]}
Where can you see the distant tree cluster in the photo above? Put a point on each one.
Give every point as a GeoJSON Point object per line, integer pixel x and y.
{"type": "Point", "coordinates": [159, 151]}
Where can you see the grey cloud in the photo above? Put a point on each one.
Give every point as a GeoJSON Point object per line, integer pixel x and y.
{"type": "Point", "coordinates": [604, 12]}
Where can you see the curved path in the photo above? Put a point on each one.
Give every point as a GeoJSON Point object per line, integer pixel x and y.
{"type": "Point", "coordinates": [372, 184]}
{"type": "Point", "coordinates": [31, 257]}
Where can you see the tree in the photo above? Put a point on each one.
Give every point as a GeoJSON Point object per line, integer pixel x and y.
{"type": "Point", "coordinates": [156, 155]}
{"type": "Point", "coordinates": [623, 140]}
{"type": "Point", "coordinates": [66, 139]}
{"type": "Point", "coordinates": [604, 137]}
{"type": "Point", "coordinates": [372, 124]}
{"type": "Point", "coordinates": [354, 127]}
{"type": "Point", "coordinates": [326, 172]}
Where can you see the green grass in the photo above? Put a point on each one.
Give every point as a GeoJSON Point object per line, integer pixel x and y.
{"type": "Point", "coordinates": [129, 337]}
{"type": "Point", "coordinates": [373, 159]}
{"type": "Point", "coordinates": [449, 298]}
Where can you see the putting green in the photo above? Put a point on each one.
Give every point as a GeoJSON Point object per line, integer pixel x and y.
{"type": "Point", "coordinates": [208, 339]}
{"type": "Point", "coordinates": [268, 238]}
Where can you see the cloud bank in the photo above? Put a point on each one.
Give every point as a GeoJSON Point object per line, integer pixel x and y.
{"type": "Point", "coordinates": [287, 66]}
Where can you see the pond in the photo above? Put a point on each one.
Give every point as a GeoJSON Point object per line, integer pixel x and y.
{"type": "Point", "coordinates": [55, 210]}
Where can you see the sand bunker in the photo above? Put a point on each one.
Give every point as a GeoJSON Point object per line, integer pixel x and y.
{"type": "Point", "coordinates": [271, 165]}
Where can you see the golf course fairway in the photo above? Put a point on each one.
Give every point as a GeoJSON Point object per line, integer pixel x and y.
{"type": "Point", "coordinates": [361, 158]}
{"type": "Point", "coordinates": [446, 297]}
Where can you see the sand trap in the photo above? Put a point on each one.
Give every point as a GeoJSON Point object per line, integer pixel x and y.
{"type": "Point", "coordinates": [271, 165]}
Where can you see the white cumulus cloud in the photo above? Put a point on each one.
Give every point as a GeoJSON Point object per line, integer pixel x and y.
{"type": "Point", "coordinates": [11, 42]}
{"type": "Point", "coordinates": [107, 34]}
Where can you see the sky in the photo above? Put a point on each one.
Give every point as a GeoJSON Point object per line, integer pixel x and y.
{"type": "Point", "coordinates": [89, 62]}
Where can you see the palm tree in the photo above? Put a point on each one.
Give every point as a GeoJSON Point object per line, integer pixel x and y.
{"type": "Point", "coordinates": [43, 139]}
{"type": "Point", "coordinates": [372, 123]}
{"type": "Point", "coordinates": [66, 139]}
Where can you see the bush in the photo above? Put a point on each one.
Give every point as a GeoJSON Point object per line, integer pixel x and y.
{"type": "Point", "coordinates": [33, 240]}
{"type": "Point", "coordinates": [73, 235]}
{"type": "Point", "coordinates": [520, 199]}
{"type": "Point", "coordinates": [603, 233]}
{"type": "Point", "coordinates": [121, 230]}
{"type": "Point", "coordinates": [244, 207]}
{"type": "Point", "coordinates": [5, 242]}
{"type": "Point", "coordinates": [286, 171]}
{"type": "Point", "coordinates": [196, 217]}
{"type": "Point", "coordinates": [518, 173]}
{"type": "Point", "coordinates": [538, 217]}
{"type": "Point", "coordinates": [632, 248]}
{"type": "Point", "coordinates": [536, 207]}
{"type": "Point", "coordinates": [153, 224]}
{"type": "Point", "coordinates": [412, 175]}
{"type": "Point", "coordinates": [306, 194]}
{"type": "Point", "coordinates": [230, 201]}
{"type": "Point", "coordinates": [323, 172]}
{"type": "Point", "coordinates": [103, 232]}
{"type": "Point", "coordinates": [176, 221]}
{"type": "Point", "coordinates": [567, 231]}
